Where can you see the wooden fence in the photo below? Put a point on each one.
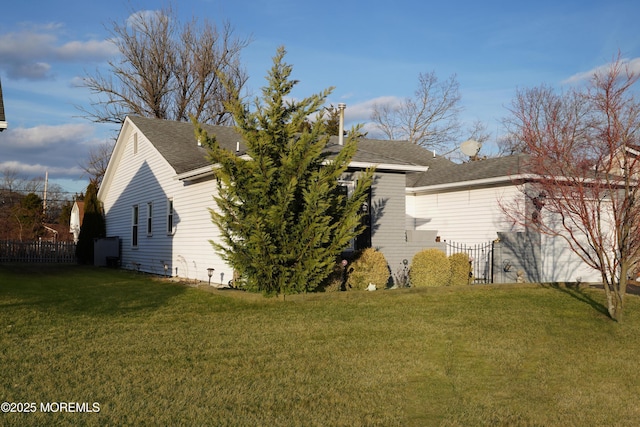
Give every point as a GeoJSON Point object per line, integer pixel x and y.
{"type": "Point", "coordinates": [33, 252]}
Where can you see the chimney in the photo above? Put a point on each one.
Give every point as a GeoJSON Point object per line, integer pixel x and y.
{"type": "Point", "coordinates": [341, 107]}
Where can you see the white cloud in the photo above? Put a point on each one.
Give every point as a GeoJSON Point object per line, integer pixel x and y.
{"type": "Point", "coordinates": [29, 54]}
{"type": "Point", "coordinates": [92, 49]}
{"type": "Point", "coordinates": [42, 136]}
{"type": "Point", "coordinates": [632, 64]}
{"type": "Point", "coordinates": [36, 169]}
{"type": "Point", "coordinates": [136, 20]}
{"type": "Point", "coordinates": [60, 150]}
{"type": "Point", "coordinates": [361, 111]}
{"type": "Point", "coordinates": [25, 45]}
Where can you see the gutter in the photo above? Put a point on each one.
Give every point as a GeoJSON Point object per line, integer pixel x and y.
{"type": "Point", "coordinates": [207, 171]}
{"type": "Point", "coordinates": [469, 183]}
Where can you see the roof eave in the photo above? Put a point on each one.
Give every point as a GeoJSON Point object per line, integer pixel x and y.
{"type": "Point", "coordinates": [469, 183]}
{"type": "Point", "coordinates": [207, 171]}
{"type": "Point", "coordinates": [199, 173]}
{"type": "Point", "coordinates": [115, 157]}
{"type": "Point", "coordinates": [202, 172]}
{"type": "Point", "coordinates": [389, 167]}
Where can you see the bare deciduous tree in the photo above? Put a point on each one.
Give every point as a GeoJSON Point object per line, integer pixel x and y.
{"type": "Point", "coordinates": [583, 152]}
{"type": "Point", "coordinates": [95, 165]}
{"type": "Point", "coordinates": [531, 112]}
{"type": "Point", "coordinates": [168, 70]}
{"type": "Point", "coordinates": [429, 119]}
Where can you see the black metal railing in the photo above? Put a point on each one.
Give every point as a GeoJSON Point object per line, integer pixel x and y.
{"type": "Point", "coordinates": [481, 257]}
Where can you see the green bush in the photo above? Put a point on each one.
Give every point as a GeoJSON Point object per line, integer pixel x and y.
{"type": "Point", "coordinates": [334, 282]}
{"type": "Point", "coordinates": [370, 266]}
{"type": "Point", "coordinates": [430, 267]}
{"type": "Point", "coordinates": [460, 269]}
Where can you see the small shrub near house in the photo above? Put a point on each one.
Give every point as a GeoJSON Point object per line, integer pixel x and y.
{"type": "Point", "coordinates": [370, 266]}
{"type": "Point", "coordinates": [336, 280]}
{"type": "Point", "coordinates": [460, 269]}
{"type": "Point", "coordinates": [430, 267]}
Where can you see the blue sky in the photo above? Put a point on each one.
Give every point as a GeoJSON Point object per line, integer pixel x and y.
{"type": "Point", "coordinates": [369, 51]}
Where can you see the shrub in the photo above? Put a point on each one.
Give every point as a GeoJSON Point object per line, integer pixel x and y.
{"type": "Point", "coordinates": [370, 266]}
{"type": "Point", "coordinates": [335, 281]}
{"type": "Point", "coordinates": [460, 269]}
{"type": "Point", "coordinates": [430, 267]}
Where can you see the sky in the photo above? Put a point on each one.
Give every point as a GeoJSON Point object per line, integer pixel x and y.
{"type": "Point", "coordinates": [370, 52]}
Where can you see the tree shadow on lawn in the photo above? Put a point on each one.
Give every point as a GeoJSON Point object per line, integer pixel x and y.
{"type": "Point", "coordinates": [83, 290]}
{"type": "Point", "coordinates": [577, 291]}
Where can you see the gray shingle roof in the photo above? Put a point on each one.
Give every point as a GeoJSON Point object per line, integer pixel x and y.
{"type": "Point", "coordinates": [482, 169]}
{"type": "Point", "coordinates": [394, 152]}
{"type": "Point", "coordinates": [177, 143]}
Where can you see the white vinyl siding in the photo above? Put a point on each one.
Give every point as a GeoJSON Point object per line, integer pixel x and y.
{"type": "Point", "coordinates": [138, 180]}
{"type": "Point", "coordinates": [148, 178]}
{"type": "Point", "coordinates": [193, 232]}
{"type": "Point", "coordinates": [469, 216]}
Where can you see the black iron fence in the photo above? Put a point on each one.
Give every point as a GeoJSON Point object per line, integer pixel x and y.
{"type": "Point", "coordinates": [34, 252]}
{"type": "Point", "coordinates": [481, 257]}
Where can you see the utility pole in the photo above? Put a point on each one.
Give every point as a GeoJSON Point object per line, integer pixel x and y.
{"type": "Point", "coordinates": [44, 198]}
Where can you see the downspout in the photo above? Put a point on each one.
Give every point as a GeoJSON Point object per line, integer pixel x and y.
{"type": "Point", "coordinates": [341, 107]}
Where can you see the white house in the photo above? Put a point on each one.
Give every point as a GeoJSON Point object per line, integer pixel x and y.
{"type": "Point", "coordinates": [463, 203]}
{"type": "Point", "coordinates": [158, 189]}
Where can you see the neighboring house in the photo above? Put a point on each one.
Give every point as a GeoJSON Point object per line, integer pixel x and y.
{"type": "Point", "coordinates": [75, 221]}
{"type": "Point", "coordinates": [463, 203]}
{"type": "Point", "coordinates": [158, 189]}
{"type": "Point", "coordinates": [3, 119]}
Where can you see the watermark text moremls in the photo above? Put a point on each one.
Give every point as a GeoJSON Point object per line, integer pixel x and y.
{"type": "Point", "coordinates": [69, 407]}
{"type": "Point", "coordinates": [52, 407]}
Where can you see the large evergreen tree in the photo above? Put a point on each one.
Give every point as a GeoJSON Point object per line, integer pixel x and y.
{"type": "Point", "coordinates": [281, 215]}
{"type": "Point", "coordinates": [93, 225]}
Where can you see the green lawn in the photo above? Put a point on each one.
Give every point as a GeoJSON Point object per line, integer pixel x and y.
{"type": "Point", "coordinates": [156, 353]}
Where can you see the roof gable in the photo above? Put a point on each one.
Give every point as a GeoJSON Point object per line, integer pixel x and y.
{"type": "Point", "coordinates": [176, 141]}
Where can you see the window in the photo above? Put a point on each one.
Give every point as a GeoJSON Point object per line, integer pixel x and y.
{"type": "Point", "coordinates": [134, 226]}
{"type": "Point", "coordinates": [345, 188]}
{"type": "Point", "coordinates": [135, 143]}
{"type": "Point", "coordinates": [149, 219]}
{"type": "Point", "coordinates": [363, 240]}
{"type": "Point", "coordinates": [169, 216]}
